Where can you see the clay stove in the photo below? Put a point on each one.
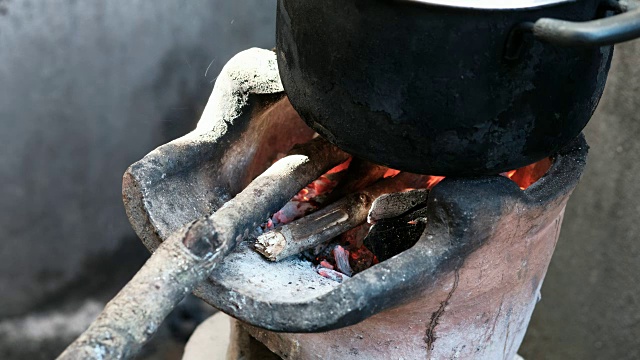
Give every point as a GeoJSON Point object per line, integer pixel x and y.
{"type": "Point", "coordinates": [466, 289]}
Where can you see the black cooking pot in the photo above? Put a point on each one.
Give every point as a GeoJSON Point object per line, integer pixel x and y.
{"type": "Point", "coordinates": [449, 87]}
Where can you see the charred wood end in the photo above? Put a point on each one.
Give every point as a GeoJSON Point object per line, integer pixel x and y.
{"type": "Point", "coordinates": [271, 244]}
{"type": "Point", "coordinates": [200, 238]}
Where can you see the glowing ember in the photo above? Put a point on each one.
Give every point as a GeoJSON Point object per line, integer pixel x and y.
{"type": "Point", "coordinates": [304, 202]}
{"type": "Point", "coordinates": [391, 173]}
{"type": "Point", "coordinates": [350, 256]}
{"type": "Point", "coordinates": [331, 274]}
{"type": "Point", "coordinates": [528, 175]}
{"type": "Point", "coordinates": [361, 259]}
{"type": "Point", "coordinates": [347, 255]}
{"type": "Point", "coordinates": [433, 181]}
{"type": "Point", "coordinates": [319, 187]}
{"type": "Point", "coordinates": [510, 174]}
{"type": "Point", "coordinates": [291, 211]}
{"type": "Point", "coordinates": [326, 264]}
{"type": "Point", "coordinates": [340, 167]}
{"type": "Point", "coordinates": [354, 238]}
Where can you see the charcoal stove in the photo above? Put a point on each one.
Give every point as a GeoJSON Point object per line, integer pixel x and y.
{"type": "Point", "coordinates": [466, 288]}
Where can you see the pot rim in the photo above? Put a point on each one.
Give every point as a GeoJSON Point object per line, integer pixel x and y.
{"type": "Point", "coordinates": [490, 4]}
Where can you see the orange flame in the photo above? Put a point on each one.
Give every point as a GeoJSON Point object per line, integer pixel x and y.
{"type": "Point", "coordinates": [528, 175]}
{"type": "Point", "coordinates": [433, 181]}
{"type": "Point", "coordinates": [391, 173]}
{"type": "Point", "coordinates": [510, 174]}
{"type": "Point", "coordinates": [340, 167]}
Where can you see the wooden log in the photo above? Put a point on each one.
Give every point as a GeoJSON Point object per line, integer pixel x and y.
{"type": "Point", "coordinates": [188, 256]}
{"type": "Point", "coordinates": [325, 224]}
{"type": "Point", "coordinates": [396, 204]}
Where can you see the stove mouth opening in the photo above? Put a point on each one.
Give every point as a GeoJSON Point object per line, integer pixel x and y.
{"type": "Point", "coordinates": [357, 215]}
{"type": "Point", "coordinates": [413, 227]}
{"type": "Point", "coordinates": [268, 283]}
{"type": "Point", "coordinates": [382, 255]}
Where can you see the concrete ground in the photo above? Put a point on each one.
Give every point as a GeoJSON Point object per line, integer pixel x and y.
{"type": "Point", "coordinates": [211, 340]}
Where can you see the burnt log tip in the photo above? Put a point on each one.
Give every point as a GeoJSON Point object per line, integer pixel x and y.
{"type": "Point", "coordinates": [201, 238]}
{"type": "Point", "coordinates": [271, 244]}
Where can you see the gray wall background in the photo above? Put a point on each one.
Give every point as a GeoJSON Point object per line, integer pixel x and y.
{"type": "Point", "coordinates": [88, 87]}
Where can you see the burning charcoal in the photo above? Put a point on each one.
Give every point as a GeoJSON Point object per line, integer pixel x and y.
{"type": "Point", "coordinates": [319, 187]}
{"type": "Point", "coordinates": [306, 200]}
{"type": "Point", "coordinates": [332, 274]}
{"type": "Point", "coordinates": [344, 166]}
{"type": "Point", "coordinates": [354, 238]}
{"type": "Point", "coordinates": [326, 264]}
{"type": "Point", "coordinates": [361, 259]}
{"type": "Point", "coordinates": [526, 176]}
{"type": "Point", "coordinates": [391, 173]}
{"type": "Point", "coordinates": [433, 181]}
{"type": "Point", "coordinates": [333, 220]}
{"type": "Point", "coordinates": [359, 175]}
{"type": "Point", "coordinates": [293, 210]}
{"type": "Point", "coordinates": [269, 225]}
{"type": "Point", "coordinates": [319, 253]}
{"type": "Point", "coordinates": [389, 237]}
{"type": "Point", "coordinates": [341, 257]}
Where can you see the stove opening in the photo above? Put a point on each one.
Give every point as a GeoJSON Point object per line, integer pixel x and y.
{"type": "Point", "coordinates": [357, 215]}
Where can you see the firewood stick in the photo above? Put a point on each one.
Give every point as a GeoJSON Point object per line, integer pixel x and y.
{"type": "Point", "coordinates": [188, 256]}
{"type": "Point", "coordinates": [333, 220]}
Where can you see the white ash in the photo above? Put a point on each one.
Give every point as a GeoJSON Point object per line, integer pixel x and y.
{"type": "Point", "coordinates": [291, 280]}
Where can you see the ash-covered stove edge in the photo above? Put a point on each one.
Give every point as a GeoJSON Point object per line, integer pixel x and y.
{"type": "Point", "coordinates": [192, 176]}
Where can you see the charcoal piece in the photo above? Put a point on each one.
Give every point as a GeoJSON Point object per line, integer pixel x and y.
{"type": "Point", "coordinates": [332, 274]}
{"type": "Point", "coordinates": [326, 264]}
{"type": "Point", "coordinates": [353, 239]}
{"type": "Point", "coordinates": [389, 237]}
{"type": "Point", "coordinates": [341, 257]}
{"type": "Point", "coordinates": [361, 259]}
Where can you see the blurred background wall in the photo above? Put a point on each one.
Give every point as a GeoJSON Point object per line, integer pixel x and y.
{"type": "Point", "coordinates": [86, 89]}
{"type": "Point", "coordinates": [89, 87]}
{"type": "Point", "coordinates": [590, 306]}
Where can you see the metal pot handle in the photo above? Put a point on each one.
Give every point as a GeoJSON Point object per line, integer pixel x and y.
{"type": "Point", "coordinates": [607, 31]}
